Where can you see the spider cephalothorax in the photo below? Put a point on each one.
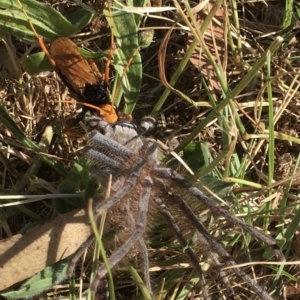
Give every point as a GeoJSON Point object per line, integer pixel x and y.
{"type": "Point", "coordinates": [133, 162]}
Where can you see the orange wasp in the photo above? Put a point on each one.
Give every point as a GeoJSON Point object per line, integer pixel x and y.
{"type": "Point", "coordinates": [84, 81]}
{"type": "Point", "coordinates": [80, 77]}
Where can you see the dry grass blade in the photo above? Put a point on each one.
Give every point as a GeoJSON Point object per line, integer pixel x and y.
{"type": "Point", "coordinates": [162, 56]}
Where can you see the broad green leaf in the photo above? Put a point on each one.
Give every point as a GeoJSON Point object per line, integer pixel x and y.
{"type": "Point", "coordinates": [48, 22]}
{"type": "Point", "coordinates": [80, 18]}
{"type": "Point", "coordinates": [91, 188]}
{"type": "Point", "coordinates": [127, 59]}
{"type": "Point", "coordinates": [131, 80]}
{"type": "Point", "coordinates": [36, 63]}
{"type": "Point", "coordinates": [137, 3]}
{"type": "Point", "coordinates": [77, 180]}
{"type": "Point", "coordinates": [40, 282]}
{"type": "Point", "coordinates": [197, 156]}
{"type": "Point", "coordinates": [69, 185]}
{"type": "Point", "coordinates": [97, 55]}
{"type": "Point", "coordinates": [217, 186]}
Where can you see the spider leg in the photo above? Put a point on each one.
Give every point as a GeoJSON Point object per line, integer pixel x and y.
{"type": "Point", "coordinates": [142, 246]}
{"type": "Point", "coordinates": [146, 272]}
{"type": "Point", "coordinates": [78, 254]}
{"type": "Point", "coordinates": [105, 153]}
{"type": "Point", "coordinates": [129, 184]}
{"type": "Point", "coordinates": [102, 143]}
{"type": "Point", "coordinates": [217, 209]}
{"type": "Point", "coordinates": [136, 235]}
{"type": "Point", "coordinates": [217, 248]}
{"type": "Point", "coordinates": [177, 233]}
{"type": "Point", "coordinates": [193, 258]}
{"type": "Point", "coordinates": [223, 274]}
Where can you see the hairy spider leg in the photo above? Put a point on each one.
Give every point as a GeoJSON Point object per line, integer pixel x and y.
{"type": "Point", "coordinates": [99, 142]}
{"type": "Point", "coordinates": [218, 210]}
{"type": "Point", "coordinates": [140, 226]}
{"type": "Point", "coordinates": [215, 246]}
{"type": "Point", "coordinates": [183, 242]}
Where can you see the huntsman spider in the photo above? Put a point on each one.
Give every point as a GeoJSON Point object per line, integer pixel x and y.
{"type": "Point", "coordinates": [142, 185]}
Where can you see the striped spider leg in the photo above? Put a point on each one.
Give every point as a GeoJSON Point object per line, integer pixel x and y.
{"type": "Point", "coordinates": [133, 162]}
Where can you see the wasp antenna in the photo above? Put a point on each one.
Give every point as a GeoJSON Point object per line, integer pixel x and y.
{"type": "Point", "coordinates": [38, 38]}
{"type": "Point", "coordinates": [28, 20]}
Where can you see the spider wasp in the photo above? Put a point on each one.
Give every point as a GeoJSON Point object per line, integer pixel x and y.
{"type": "Point", "coordinates": [82, 78]}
